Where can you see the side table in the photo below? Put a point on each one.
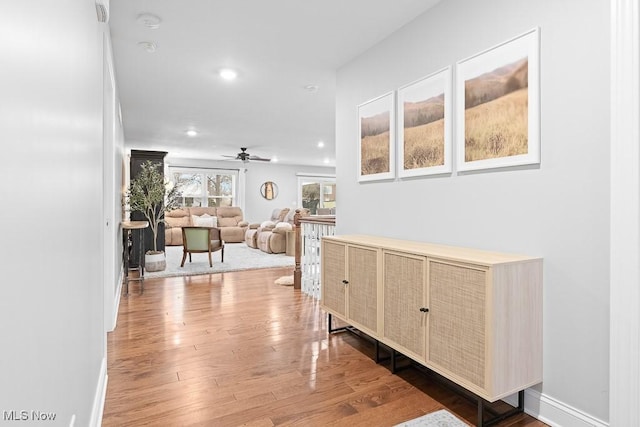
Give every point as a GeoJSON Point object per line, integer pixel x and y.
{"type": "Point", "coordinates": [127, 242]}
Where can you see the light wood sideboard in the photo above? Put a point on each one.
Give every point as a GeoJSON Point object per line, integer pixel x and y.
{"type": "Point", "coordinates": [474, 317]}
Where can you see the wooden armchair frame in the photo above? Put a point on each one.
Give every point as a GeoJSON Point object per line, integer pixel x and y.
{"type": "Point", "coordinates": [201, 240]}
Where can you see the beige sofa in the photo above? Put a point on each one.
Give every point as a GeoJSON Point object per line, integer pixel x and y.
{"type": "Point", "coordinates": [271, 235]}
{"type": "Point", "coordinates": [229, 219]}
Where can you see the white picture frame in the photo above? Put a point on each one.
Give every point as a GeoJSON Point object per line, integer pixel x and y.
{"type": "Point", "coordinates": [376, 138]}
{"type": "Point", "coordinates": [424, 125]}
{"type": "Point", "coordinates": [498, 105]}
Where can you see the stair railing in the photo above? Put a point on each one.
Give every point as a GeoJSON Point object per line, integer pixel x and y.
{"type": "Point", "coordinates": [309, 232]}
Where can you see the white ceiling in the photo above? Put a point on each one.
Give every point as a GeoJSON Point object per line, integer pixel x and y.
{"type": "Point", "coordinates": [277, 46]}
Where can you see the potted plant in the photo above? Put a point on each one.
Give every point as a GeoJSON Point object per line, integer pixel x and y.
{"type": "Point", "coordinates": [150, 194]}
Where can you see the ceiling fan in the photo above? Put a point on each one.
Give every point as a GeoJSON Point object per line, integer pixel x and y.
{"type": "Point", "coordinates": [245, 157]}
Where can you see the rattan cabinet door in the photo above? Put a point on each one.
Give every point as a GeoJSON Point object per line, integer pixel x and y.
{"type": "Point", "coordinates": [457, 324]}
{"type": "Point", "coordinates": [362, 301]}
{"type": "Point", "coordinates": [404, 291]}
{"type": "Point", "coordinates": [334, 277]}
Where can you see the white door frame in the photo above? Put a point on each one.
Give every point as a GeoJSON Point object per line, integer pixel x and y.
{"type": "Point", "coordinates": [108, 186]}
{"type": "Point", "coordinates": [624, 370]}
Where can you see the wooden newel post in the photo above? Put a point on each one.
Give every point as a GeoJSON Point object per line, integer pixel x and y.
{"type": "Point", "coordinates": [297, 272]}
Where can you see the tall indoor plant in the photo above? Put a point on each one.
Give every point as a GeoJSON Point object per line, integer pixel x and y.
{"type": "Point", "coordinates": [150, 194]}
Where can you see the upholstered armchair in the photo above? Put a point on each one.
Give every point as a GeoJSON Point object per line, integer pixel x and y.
{"type": "Point", "coordinates": [273, 239]}
{"type": "Point", "coordinates": [254, 230]}
{"type": "Point", "coordinates": [201, 240]}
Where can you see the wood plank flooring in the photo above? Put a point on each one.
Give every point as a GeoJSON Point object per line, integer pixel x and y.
{"type": "Point", "coordinates": [236, 349]}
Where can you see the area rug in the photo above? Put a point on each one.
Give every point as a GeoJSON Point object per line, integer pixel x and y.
{"type": "Point", "coordinates": [284, 281]}
{"type": "Point", "coordinates": [441, 418]}
{"type": "Point", "coordinates": [237, 256]}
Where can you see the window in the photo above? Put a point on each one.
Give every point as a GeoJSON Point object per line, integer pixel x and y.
{"type": "Point", "coordinates": [317, 192]}
{"type": "Point", "coordinates": [206, 187]}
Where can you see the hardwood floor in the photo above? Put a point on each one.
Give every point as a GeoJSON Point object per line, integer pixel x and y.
{"type": "Point", "coordinates": [236, 349]}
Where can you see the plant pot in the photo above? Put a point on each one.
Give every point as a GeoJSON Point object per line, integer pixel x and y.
{"type": "Point", "coordinates": [155, 261]}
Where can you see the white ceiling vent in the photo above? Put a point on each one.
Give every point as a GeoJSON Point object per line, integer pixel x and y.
{"type": "Point", "coordinates": [102, 9]}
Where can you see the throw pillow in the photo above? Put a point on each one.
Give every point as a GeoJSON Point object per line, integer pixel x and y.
{"type": "Point", "coordinates": [204, 220]}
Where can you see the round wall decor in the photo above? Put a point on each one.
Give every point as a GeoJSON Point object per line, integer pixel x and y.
{"type": "Point", "coordinates": [269, 190]}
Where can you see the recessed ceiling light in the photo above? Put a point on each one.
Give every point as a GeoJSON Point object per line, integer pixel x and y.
{"type": "Point", "coordinates": [228, 73]}
{"type": "Point", "coordinates": [274, 159]}
{"type": "Point", "coordinates": [191, 133]}
{"type": "Point", "coordinates": [148, 20]}
{"type": "Point", "coordinates": [326, 161]}
{"type": "Point", "coordinates": [148, 46]}
{"type": "Point", "coordinates": [320, 144]}
{"type": "Point", "coordinates": [311, 88]}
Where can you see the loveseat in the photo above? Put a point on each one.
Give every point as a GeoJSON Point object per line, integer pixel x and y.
{"type": "Point", "coordinates": [228, 218]}
{"type": "Point", "coordinates": [271, 236]}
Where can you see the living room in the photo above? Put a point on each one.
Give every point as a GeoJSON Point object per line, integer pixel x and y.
{"type": "Point", "coordinates": [577, 209]}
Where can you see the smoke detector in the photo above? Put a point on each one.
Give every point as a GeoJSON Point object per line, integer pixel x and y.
{"type": "Point", "coordinates": [148, 46]}
{"type": "Point", "coordinates": [148, 20]}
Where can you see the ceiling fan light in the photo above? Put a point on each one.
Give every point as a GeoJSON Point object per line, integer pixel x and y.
{"type": "Point", "coordinates": [246, 157]}
{"type": "Point", "coordinates": [191, 133]}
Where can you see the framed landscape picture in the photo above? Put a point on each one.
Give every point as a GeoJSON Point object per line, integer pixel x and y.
{"type": "Point", "coordinates": [498, 105]}
{"type": "Point", "coordinates": [424, 126]}
{"type": "Point", "coordinates": [376, 129]}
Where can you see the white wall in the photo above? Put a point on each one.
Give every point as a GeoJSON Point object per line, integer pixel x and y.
{"type": "Point", "coordinates": [559, 211]}
{"type": "Point", "coordinates": [285, 176]}
{"type": "Point", "coordinates": [51, 309]}
{"type": "Point", "coordinates": [255, 207]}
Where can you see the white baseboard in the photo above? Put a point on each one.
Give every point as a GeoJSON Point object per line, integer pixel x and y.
{"type": "Point", "coordinates": [553, 412]}
{"type": "Point", "coordinates": [116, 302]}
{"type": "Point", "coordinates": [100, 396]}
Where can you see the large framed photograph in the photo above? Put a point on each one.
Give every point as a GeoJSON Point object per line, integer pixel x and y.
{"type": "Point", "coordinates": [424, 126]}
{"type": "Point", "coordinates": [376, 126]}
{"type": "Point", "coordinates": [498, 105]}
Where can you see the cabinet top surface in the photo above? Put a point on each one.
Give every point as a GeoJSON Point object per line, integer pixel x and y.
{"type": "Point", "coordinates": [134, 225]}
{"type": "Point", "coordinates": [475, 256]}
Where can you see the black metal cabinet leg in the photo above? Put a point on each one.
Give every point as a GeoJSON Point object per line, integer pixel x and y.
{"type": "Point", "coordinates": [498, 417]}
{"type": "Point", "coordinates": [521, 401]}
{"type": "Point", "coordinates": [330, 325]}
{"type": "Point", "coordinates": [126, 254]}
{"type": "Point", "coordinates": [141, 261]}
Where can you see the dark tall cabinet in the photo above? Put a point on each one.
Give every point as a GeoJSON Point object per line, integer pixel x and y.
{"type": "Point", "coordinates": [138, 157]}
